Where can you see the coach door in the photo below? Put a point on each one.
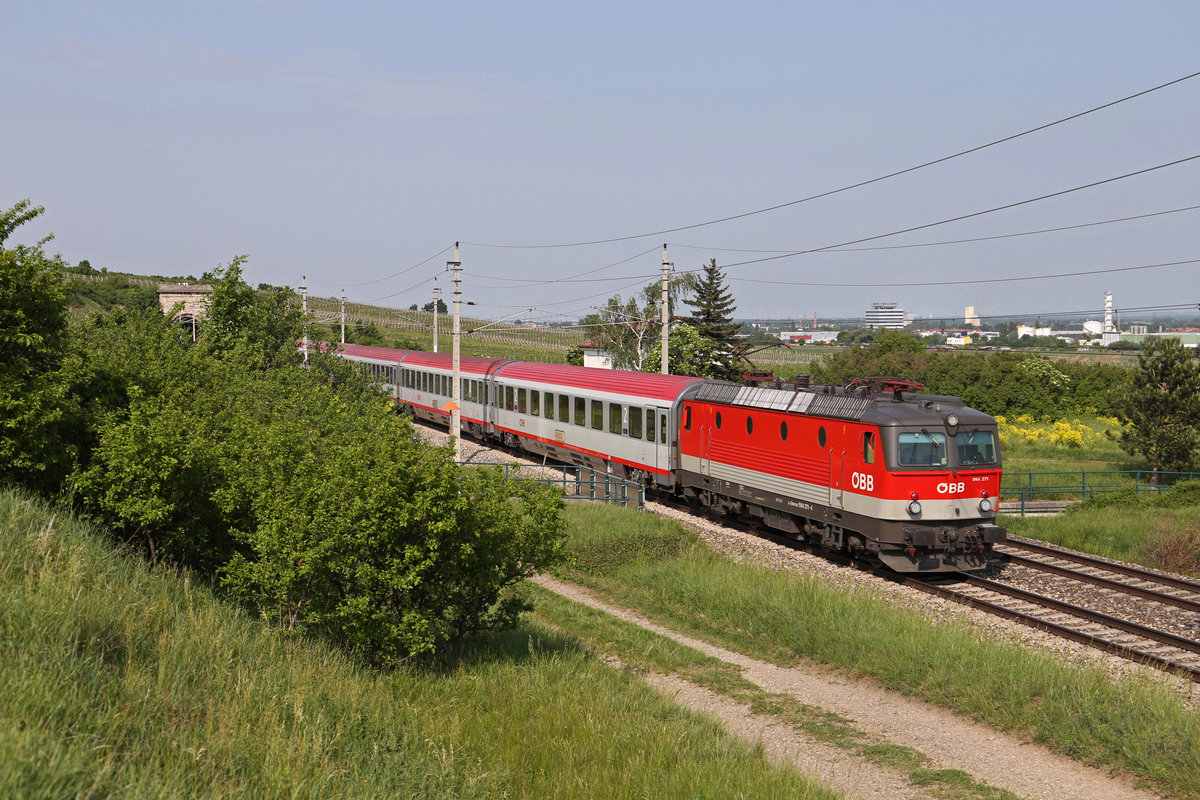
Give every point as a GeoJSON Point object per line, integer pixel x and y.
{"type": "Point", "coordinates": [837, 471]}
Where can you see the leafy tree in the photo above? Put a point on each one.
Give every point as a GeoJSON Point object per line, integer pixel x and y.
{"type": "Point", "coordinates": [888, 340]}
{"type": "Point", "coordinates": [1162, 407]}
{"type": "Point", "coordinates": [630, 329]}
{"type": "Point", "coordinates": [257, 328]}
{"type": "Point", "coordinates": [689, 353]}
{"type": "Point", "coordinates": [441, 307]}
{"type": "Point", "coordinates": [308, 497]}
{"type": "Point", "coordinates": [33, 325]}
{"type": "Point", "coordinates": [574, 356]}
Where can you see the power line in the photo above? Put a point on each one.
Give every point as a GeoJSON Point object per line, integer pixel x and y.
{"type": "Point", "coordinates": [860, 184]}
{"type": "Point", "coordinates": [977, 280]}
{"type": "Point", "coordinates": [389, 277]}
{"type": "Point", "coordinates": [949, 241]}
{"type": "Point", "coordinates": [961, 217]}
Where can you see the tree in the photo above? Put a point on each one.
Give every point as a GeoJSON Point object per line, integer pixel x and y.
{"type": "Point", "coordinates": [258, 328]}
{"type": "Point", "coordinates": [689, 353]}
{"type": "Point", "coordinates": [1162, 407]}
{"type": "Point", "coordinates": [441, 306]}
{"type": "Point", "coordinates": [888, 340]}
{"type": "Point", "coordinates": [712, 314]}
{"type": "Point", "coordinates": [33, 325]}
{"type": "Point", "coordinates": [629, 329]}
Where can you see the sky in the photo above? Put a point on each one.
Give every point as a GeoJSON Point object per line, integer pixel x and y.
{"type": "Point", "coordinates": [351, 145]}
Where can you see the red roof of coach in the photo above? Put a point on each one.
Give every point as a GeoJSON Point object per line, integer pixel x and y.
{"type": "Point", "coordinates": [641, 384]}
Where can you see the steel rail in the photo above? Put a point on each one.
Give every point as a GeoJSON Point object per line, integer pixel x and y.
{"type": "Point", "coordinates": [1062, 631]}
{"type": "Point", "coordinates": [1107, 583]}
{"type": "Point", "coordinates": [1091, 561]}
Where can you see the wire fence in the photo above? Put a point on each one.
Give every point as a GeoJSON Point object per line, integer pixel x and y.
{"type": "Point", "coordinates": [1027, 493]}
{"type": "Point", "coordinates": [576, 482]}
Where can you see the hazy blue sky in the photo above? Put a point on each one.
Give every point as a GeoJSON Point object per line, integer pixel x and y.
{"type": "Point", "coordinates": [351, 142]}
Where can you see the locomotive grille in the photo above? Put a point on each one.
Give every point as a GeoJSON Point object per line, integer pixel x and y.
{"type": "Point", "coordinates": [802, 402]}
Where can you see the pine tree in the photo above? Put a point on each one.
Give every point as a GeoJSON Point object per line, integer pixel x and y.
{"type": "Point", "coordinates": [713, 306]}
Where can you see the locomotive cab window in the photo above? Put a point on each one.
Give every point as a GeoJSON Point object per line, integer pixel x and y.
{"type": "Point", "coordinates": [975, 448]}
{"type": "Point", "coordinates": [921, 449]}
{"type": "Point", "coordinates": [687, 418]}
{"type": "Point", "coordinates": [869, 447]}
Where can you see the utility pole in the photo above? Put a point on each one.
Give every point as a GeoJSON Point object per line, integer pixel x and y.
{"type": "Point", "coordinates": [666, 312]}
{"type": "Point", "coordinates": [456, 372]}
{"type": "Point", "coordinates": [304, 308]}
{"type": "Point", "coordinates": [343, 316]}
{"type": "Point", "coordinates": [436, 295]}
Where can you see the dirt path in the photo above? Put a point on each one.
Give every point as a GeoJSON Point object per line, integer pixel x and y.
{"type": "Point", "coordinates": [949, 741]}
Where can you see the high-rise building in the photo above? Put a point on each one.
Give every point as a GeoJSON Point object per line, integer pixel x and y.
{"type": "Point", "coordinates": [886, 315]}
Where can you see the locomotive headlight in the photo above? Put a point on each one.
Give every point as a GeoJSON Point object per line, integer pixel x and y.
{"type": "Point", "coordinates": [952, 420]}
{"type": "Point", "coordinates": [914, 508]}
{"type": "Point", "coordinates": [985, 505]}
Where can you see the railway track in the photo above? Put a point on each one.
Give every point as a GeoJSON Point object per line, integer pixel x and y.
{"type": "Point", "coordinates": [1122, 637]}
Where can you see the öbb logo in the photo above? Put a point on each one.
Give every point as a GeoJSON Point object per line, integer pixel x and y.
{"type": "Point", "coordinates": [859, 480]}
{"type": "Point", "coordinates": [951, 488]}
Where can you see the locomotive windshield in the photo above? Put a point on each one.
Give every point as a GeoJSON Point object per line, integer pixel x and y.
{"type": "Point", "coordinates": [976, 448]}
{"type": "Point", "coordinates": [922, 449]}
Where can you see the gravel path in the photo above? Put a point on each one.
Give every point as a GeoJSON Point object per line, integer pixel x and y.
{"type": "Point", "coordinates": [950, 742]}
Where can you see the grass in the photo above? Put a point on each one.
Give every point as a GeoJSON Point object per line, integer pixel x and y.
{"type": "Point", "coordinates": [1137, 726]}
{"type": "Point", "coordinates": [640, 649]}
{"type": "Point", "coordinates": [127, 681]}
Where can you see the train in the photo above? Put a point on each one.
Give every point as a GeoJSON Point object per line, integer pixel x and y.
{"type": "Point", "coordinates": [874, 469]}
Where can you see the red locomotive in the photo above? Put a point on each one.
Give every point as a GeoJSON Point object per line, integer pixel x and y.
{"type": "Point", "coordinates": [873, 468]}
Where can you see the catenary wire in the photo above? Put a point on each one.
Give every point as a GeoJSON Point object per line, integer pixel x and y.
{"type": "Point", "coordinates": [860, 184]}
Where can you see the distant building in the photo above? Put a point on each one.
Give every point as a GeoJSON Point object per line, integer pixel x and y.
{"type": "Point", "coordinates": [970, 317]}
{"type": "Point", "coordinates": [809, 337]}
{"type": "Point", "coordinates": [886, 315]}
{"type": "Point", "coordinates": [594, 354]}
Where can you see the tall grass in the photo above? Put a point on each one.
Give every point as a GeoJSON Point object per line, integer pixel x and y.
{"type": "Point", "coordinates": [1136, 726]}
{"type": "Point", "coordinates": [126, 681]}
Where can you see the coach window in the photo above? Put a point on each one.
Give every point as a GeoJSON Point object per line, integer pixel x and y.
{"type": "Point", "coordinates": [615, 421]}
{"type": "Point", "coordinates": [749, 424]}
{"type": "Point", "coordinates": [522, 403]}
{"type": "Point", "coordinates": [597, 415]}
{"type": "Point", "coordinates": [650, 424]}
{"type": "Point", "coordinates": [869, 447]}
{"type": "Point", "coordinates": [580, 411]}
{"type": "Point", "coordinates": [635, 423]}
{"type": "Point", "coordinates": [564, 408]}
{"type": "Point", "coordinates": [535, 402]}
{"type": "Point", "coordinates": [821, 436]}
{"type": "Point", "coordinates": [549, 405]}
{"type": "Point", "coordinates": [662, 428]}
